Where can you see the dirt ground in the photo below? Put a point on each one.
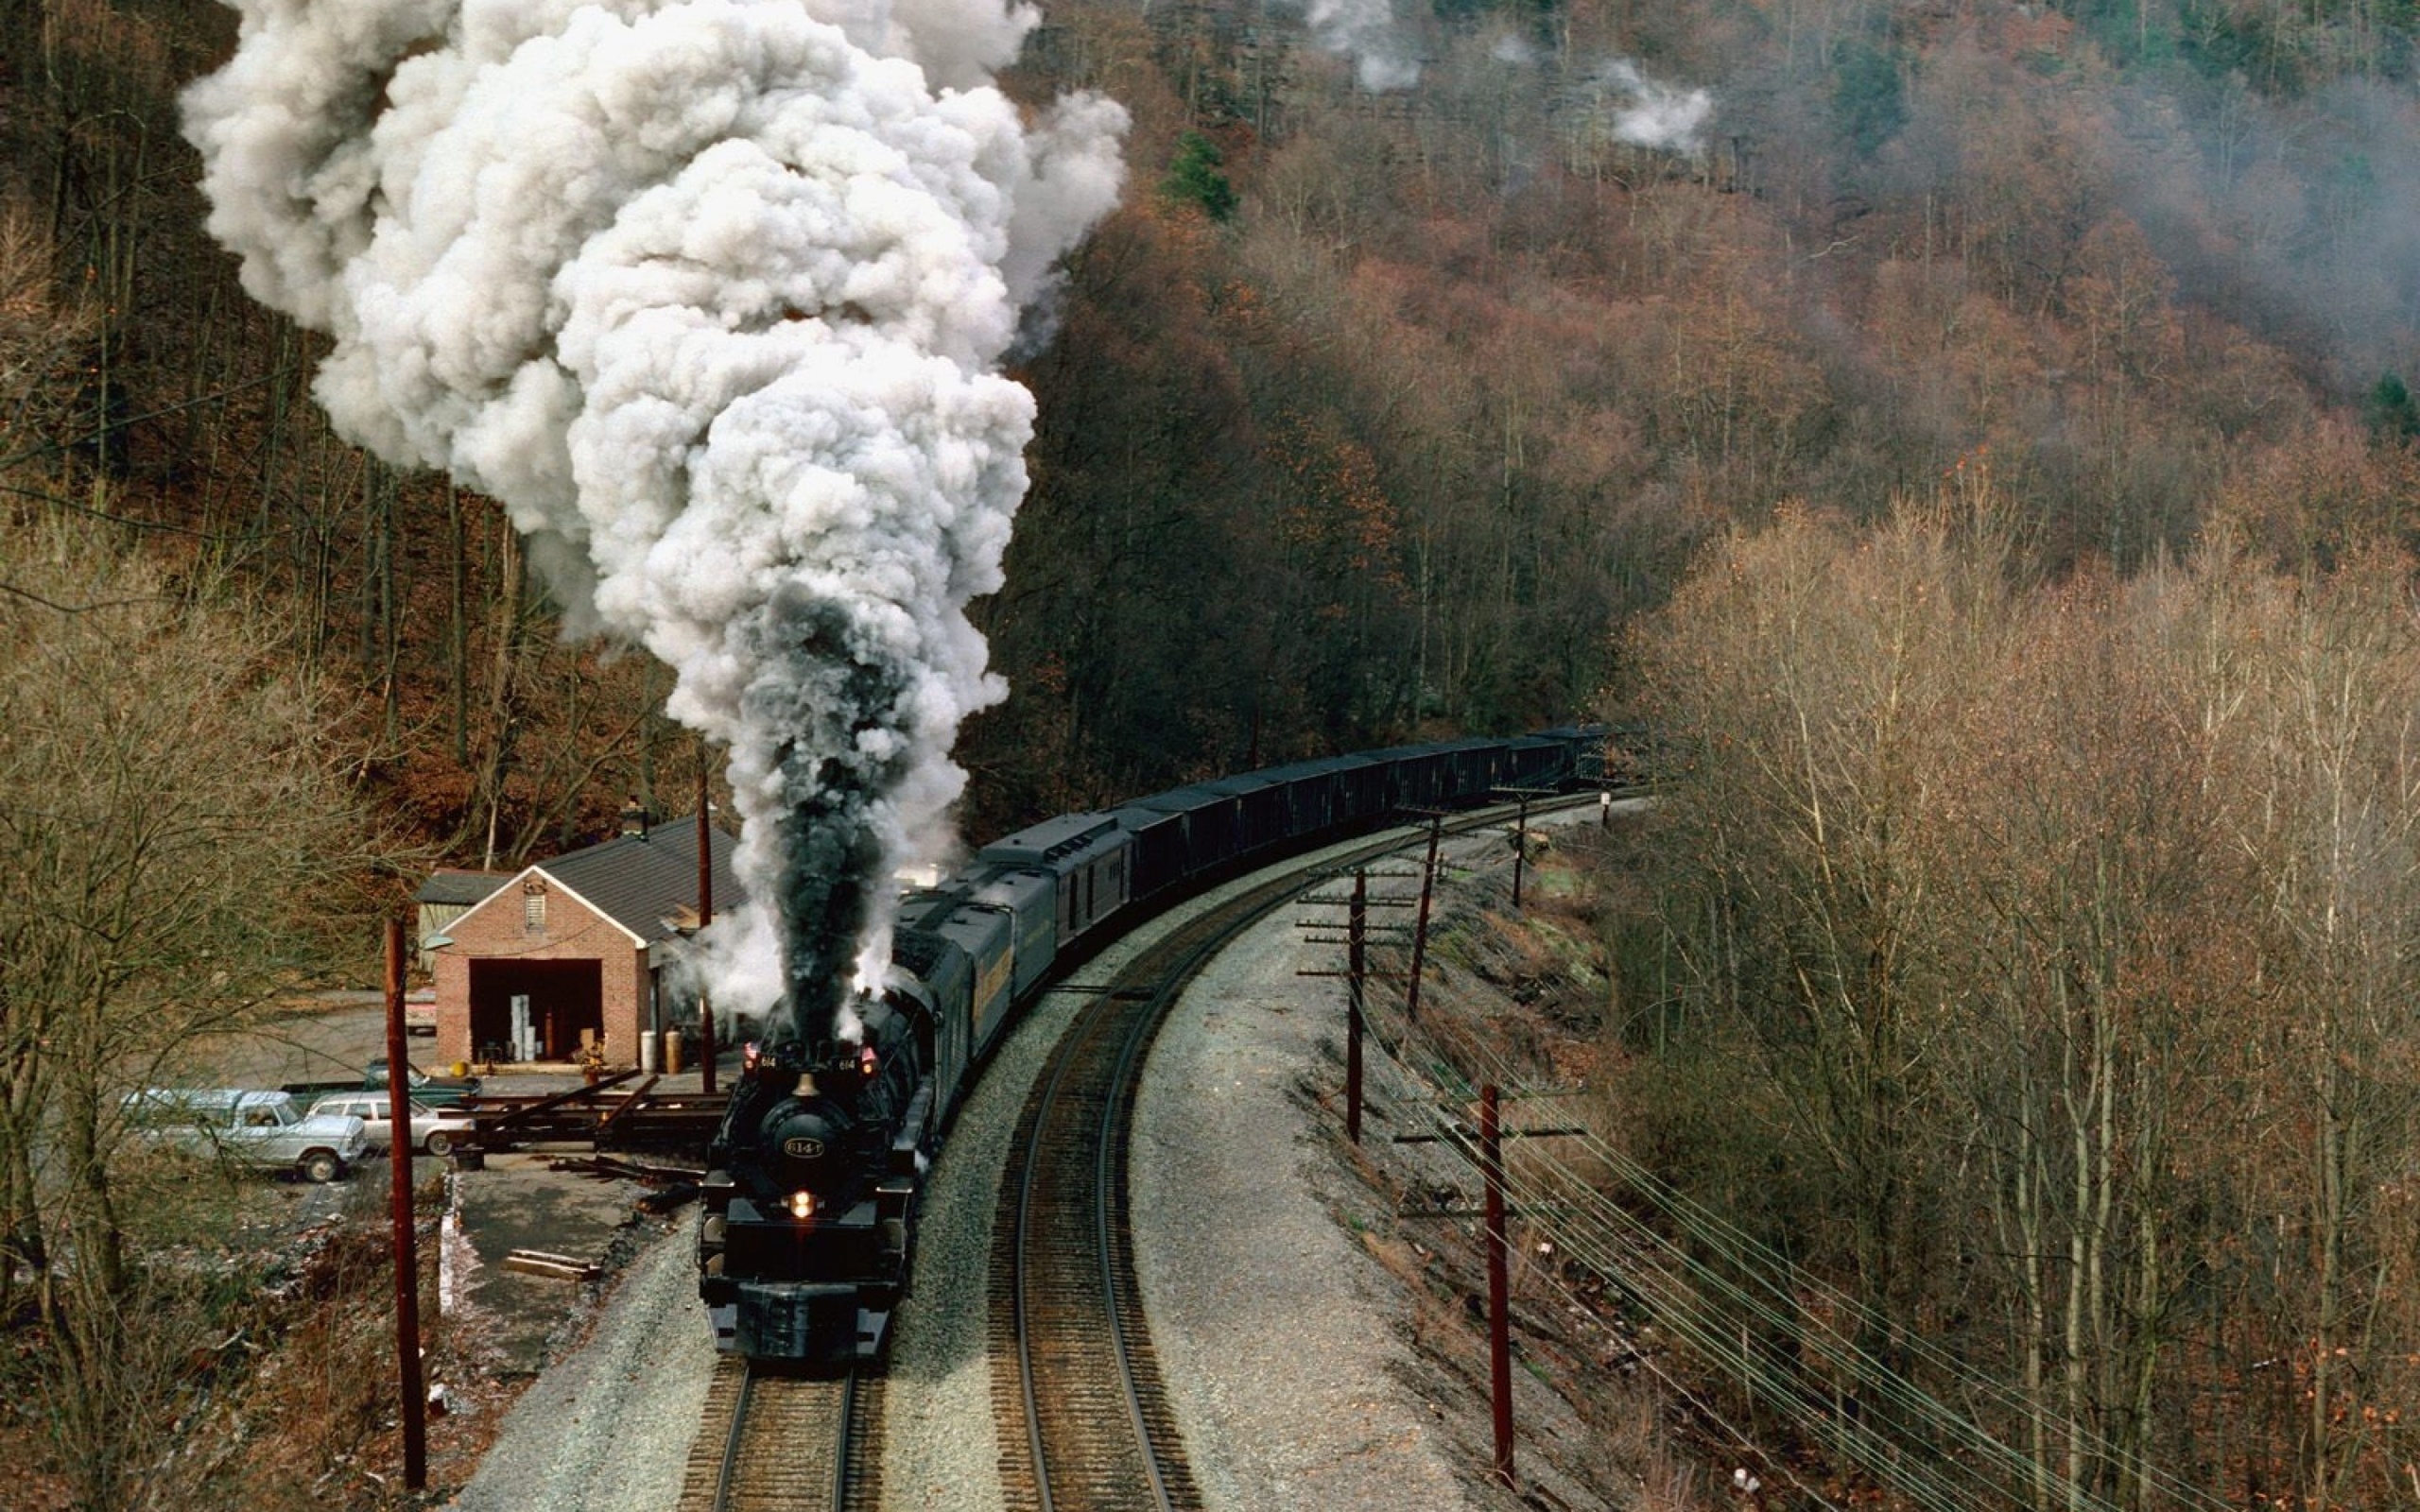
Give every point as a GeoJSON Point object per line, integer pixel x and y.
{"type": "Point", "coordinates": [514, 1202]}
{"type": "Point", "coordinates": [489, 1332]}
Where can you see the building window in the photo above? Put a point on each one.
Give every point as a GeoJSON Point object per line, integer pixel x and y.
{"type": "Point", "coordinates": [533, 909]}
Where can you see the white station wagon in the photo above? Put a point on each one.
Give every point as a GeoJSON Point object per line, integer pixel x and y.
{"type": "Point", "coordinates": [437, 1130]}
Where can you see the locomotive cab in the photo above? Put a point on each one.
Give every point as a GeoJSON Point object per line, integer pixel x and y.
{"type": "Point", "coordinates": [804, 1238]}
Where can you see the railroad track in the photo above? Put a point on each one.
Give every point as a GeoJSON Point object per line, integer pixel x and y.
{"type": "Point", "coordinates": [1082, 1414]}
{"type": "Point", "coordinates": [786, 1443]}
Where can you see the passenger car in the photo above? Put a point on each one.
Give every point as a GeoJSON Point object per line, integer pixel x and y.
{"type": "Point", "coordinates": [433, 1129]}
{"type": "Point", "coordinates": [254, 1128]}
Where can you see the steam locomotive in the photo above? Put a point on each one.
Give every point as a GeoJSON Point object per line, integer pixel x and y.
{"type": "Point", "coordinates": [807, 1232]}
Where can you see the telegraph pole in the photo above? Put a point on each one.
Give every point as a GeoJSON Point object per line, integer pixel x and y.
{"type": "Point", "coordinates": [1420, 931]}
{"type": "Point", "coordinates": [705, 917]}
{"type": "Point", "coordinates": [1521, 832]}
{"type": "Point", "coordinates": [1357, 937]}
{"type": "Point", "coordinates": [1486, 1146]}
{"type": "Point", "coordinates": [1356, 973]}
{"type": "Point", "coordinates": [1520, 848]}
{"type": "Point", "coordinates": [1499, 1328]}
{"type": "Point", "coordinates": [399, 1151]}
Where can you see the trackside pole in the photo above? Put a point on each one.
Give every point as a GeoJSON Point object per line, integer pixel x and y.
{"type": "Point", "coordinates": [399, 1151]}
{"type": "Point", "coordinates": [1356, 973]}
{"type": "Point", "coordinates": [1420, 932]}
{"type": "Point", "coordinates": [1357, 934]}
{"type": "Point", "coordinates": [705, 917]}
{"type": "Point", "coordinates": [1520, 848]}
{"type": "Point", "coordinates": [1499, 1344]}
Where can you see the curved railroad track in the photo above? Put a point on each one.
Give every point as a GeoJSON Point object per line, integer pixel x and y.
{"type": "Point", "coordinates": [1082, 1414]}
{"type": "Point", "coordinates": [786, 1443]}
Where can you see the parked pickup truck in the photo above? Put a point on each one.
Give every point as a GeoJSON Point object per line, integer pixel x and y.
{"type": "Point", "coordinates": [432, 1091]}
{"type": "Point", "coordinates": [264, 1129]}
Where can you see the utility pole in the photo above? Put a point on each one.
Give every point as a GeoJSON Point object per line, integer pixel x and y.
{"type": "Point", "coordinates": [1487, 1148]}
{"type": "Point", "coordinates": [1356, 974]}
{"type": "Point", "coordinates": [705, 917]}
{"type": "Point", "coordinates": [1520, 848]}
{"type": "Point", "coordinates": [1420, 931]}
{"type": "Point", "coordinates": [1521, 832]}
{"type": "Point", "coordinates": [1499, 1329]}
{"type": "Point", "coordinates": [399, 1150]}
{"type": "Point", "coordinates": [1357, 937]}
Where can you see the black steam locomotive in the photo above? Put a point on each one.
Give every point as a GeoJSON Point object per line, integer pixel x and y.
{"type": "Point", "coordinates": [808, 1226]}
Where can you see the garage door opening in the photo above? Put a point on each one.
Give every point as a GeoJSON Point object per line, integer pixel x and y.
{"type": "Point", "coordinates": [564, 998]}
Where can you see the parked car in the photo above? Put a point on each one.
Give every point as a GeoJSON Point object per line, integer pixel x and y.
{"type": "Point", "coordinates": [256, 1128]}
{"type": "Point", "coordinates": [435, 1130]}
{"type": "Point", "coordinates": [436, 1091]}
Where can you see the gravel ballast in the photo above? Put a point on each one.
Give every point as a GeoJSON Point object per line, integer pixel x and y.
{"type": "Point", "coordinates": [1276, 1331]}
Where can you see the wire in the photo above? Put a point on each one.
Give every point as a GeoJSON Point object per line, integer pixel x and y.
{"type": "Point", "coordinates": [1759, 1265]}
{"type": "Point", "coordinates": [1688, 1295]}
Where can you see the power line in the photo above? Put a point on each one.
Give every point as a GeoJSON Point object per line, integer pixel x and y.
{"type": "Point", "coordinates": [1688, 1295]}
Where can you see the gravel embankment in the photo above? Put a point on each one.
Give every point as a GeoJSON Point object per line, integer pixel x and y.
{"type": "Point", "coordinates": [1278, 1334]}
{"type": "Point", "coordinates": [608, 1428]}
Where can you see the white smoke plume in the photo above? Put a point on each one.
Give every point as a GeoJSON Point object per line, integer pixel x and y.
{"type": "Point", "coordinates": [1658, 115]}
{"type": "Point", "coordinates": [711, 294]}
{"type": "Point", "coordinates": [1511, 47]}
{"type": "Point", "coordinates": [1364, 31]}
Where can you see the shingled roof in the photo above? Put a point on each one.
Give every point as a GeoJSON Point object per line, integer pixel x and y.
{"type": "Point", "coordinates": [451, 886]}
{"type": "Point", "coordinates": [646, 882]}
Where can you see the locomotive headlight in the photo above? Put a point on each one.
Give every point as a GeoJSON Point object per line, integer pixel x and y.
{"type": "Point", "coordinates": [802, 1204]}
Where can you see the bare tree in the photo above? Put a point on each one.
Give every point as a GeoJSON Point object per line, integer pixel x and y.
{"type": "Point", "coordinates": [186, 850]}
{"type": "Point", "coordinates": [2067, 931]}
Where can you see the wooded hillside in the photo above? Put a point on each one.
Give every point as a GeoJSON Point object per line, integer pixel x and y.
{"type": "Point", "coordinates": [1376, 410]}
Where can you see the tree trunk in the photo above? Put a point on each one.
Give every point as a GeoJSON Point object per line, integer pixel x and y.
{"type": "Point", "coordinates": [504, 687]}
{"type": "Point", "coordinates": [457, 628]}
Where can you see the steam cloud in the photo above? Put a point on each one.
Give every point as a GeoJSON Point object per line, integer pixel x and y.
{"type": "Point", "coordinates": [1658, 115]}
{"type": "Point", "coordinates": [1364, 31]}
{"type": "Point", "coordinates": [711, 294]}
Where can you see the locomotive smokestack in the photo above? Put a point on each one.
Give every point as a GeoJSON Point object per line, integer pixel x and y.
{"type": "Point", "coordinates": [712, 295]}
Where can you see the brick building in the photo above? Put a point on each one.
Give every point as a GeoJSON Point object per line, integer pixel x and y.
{"type": "Point", "coordinates": [583, 941]}
{"type": "Point", "coordinates": [446, 896]}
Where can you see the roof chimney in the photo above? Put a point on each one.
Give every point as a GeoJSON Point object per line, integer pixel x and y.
{"type": "Point", "coordinates": [634, 819]}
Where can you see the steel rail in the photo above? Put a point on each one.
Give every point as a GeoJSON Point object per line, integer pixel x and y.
{"type": "Point", "coordinates": [1060, 1061]}
{"type": "Point", "coordinates": [841, 1450]}
{"type": "Point", "coordinates": [724, 1477]}
{"type": "Point", "coordinates": [769, 1453]}
{"type": "Point", "coordinates": [1110, 1216]}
